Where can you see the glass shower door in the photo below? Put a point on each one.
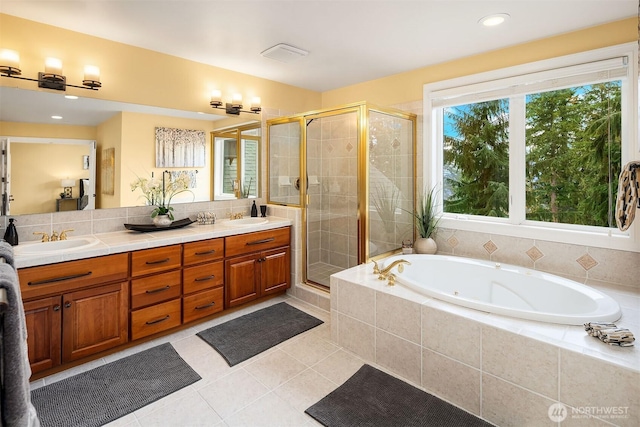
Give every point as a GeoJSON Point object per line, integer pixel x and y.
{"type": "Point", "coordinates": [391, 181]}
{"type": "Point", "coordinates": [331, 211]}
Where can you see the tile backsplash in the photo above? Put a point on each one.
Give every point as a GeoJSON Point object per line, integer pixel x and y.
{"type": "Point", "coordinates": [584, 264]}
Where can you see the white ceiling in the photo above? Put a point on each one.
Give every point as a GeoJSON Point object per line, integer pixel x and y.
{"type": "Point", "coordinates": [348, 41]}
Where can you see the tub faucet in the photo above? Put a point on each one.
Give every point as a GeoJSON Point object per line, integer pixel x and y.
{"type": "Point", "coordinates": [384, 273]}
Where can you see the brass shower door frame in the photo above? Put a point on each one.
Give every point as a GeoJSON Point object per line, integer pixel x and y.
{"type": "Point", "coordinates": [362, 110]}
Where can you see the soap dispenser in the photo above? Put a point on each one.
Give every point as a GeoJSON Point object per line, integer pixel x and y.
{"type": "Point", "coordinates": [254, 209]}
{"type": "Point", "coordinates": [11, 234]}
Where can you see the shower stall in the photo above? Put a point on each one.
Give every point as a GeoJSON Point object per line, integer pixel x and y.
{"type": "Point", "coordinates": [352, 172]}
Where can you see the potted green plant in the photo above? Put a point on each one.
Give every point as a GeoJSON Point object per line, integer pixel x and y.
{"type": "Point", "coordinates": [426, 221]}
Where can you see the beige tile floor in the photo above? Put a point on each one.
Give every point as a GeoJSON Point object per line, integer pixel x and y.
{"type": "Point", "coordinates": [271, 389]}
{"type": "Point", "coordinates": [320, 272]}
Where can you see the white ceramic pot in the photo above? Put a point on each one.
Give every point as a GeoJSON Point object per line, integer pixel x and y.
{"type": "Point", "coordinates": [162, 221]}
{"type": "Point", "coordinates": [425, 245]}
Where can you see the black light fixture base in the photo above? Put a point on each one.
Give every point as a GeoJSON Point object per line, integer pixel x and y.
{"type": "Point", "coordinates": [52, 81]}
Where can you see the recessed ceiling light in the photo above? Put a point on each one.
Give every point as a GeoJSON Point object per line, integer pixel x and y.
{"type": "Point", "coordinates": [71, 97]}
{"type": "Point", "coordinates": [494, 19]}
{"type": "Point", "coordinates": [56, 117]}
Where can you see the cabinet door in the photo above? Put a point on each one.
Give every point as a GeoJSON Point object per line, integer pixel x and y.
{"type": "Point", "coordinates": [241, 280]}
{"type": "Point", "coordinates": [43, 318]}
{"type": "Point", "coordinates": [94, 320]}
{"type": "Point", "coordinates": [275, 270]}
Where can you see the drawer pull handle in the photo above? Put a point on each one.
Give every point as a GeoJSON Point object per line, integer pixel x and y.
{"type": "Point", "coordinates": [212, 251]}
{"type": "Point", "coordinates": [204, 279]}
{"type": "Point", "coordinates": [59, 279]}
{"type": "Point", "coordinates": [201, 307]}
{"type": "Point", "coordinates": [162, 261]}
{"type": "Point", "coordinates": [155, 291]}
{"type": "Point", "coordinates": [153, 322]}
{"type": "Point", "coordinates": [259, 242]}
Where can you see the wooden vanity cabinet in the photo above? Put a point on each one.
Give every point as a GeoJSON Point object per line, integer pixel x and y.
{"type": "Point", "coordinates": [263, 269]}
{"type": "Point", "coordinates": [202, 279]}
{"type": "Point", "coordinates": [74, 309]}
{"type": "Point", "coordinates": [156, 288]}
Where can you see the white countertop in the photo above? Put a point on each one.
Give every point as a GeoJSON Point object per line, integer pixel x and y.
{"type": "Point", "coordinates": [125, 241]}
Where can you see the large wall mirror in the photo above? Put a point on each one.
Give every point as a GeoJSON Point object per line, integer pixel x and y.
{"type": "Point", "coordinates": [236, 162]}
{"type": "Point", "coordinates": [125, 147]}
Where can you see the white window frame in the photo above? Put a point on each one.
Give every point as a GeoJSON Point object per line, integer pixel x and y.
{"type": "Point", "coordinates": [516, 225]}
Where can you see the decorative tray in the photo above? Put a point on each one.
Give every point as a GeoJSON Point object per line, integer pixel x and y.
{"type": "Point", "coordinates": [152, 227]}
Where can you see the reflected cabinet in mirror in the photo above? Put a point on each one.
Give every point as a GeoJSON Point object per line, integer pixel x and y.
{"type": "Point", "coordinates": [236, 162]}
{"type": "Point", "coordinates": [125, 149]}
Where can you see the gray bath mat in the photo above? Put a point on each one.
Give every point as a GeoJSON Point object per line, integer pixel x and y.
{"type": "Point", "coordinates": [373, 398]}
{"type": "Point", "coordinates": [106, 393]}
{"type": "Point", "coordinates": [240, 339]}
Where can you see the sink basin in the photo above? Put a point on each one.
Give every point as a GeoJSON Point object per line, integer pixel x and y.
{"type": "Point", "coordinates": [60, 246]}
{"type": "Point", "coordinates": [244, 222]}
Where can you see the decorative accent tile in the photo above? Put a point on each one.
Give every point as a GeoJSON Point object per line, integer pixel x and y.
{"type": "Point", "coordinates": [587, 262]}
{"type": "Point", "coordinates": [453, 241]}
{"type": "Point", "coordinates": [490, 247]}
{"type": "Point", "coordinates": [534, 253]}
{"type": "Point", "coordinates": [395, 143]}
{"type": "Point", "coordinates": [330, 148]}
{"type": "Point", "coordinates": [349, 147]}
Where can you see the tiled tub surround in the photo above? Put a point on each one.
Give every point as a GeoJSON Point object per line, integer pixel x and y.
{"type": "Point", "coordinates": [507, 371]}
{"type": "Point", "coordinates": [584, 264]}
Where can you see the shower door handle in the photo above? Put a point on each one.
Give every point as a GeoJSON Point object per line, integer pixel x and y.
{"type": "Point", "coordinates": [296, 183]}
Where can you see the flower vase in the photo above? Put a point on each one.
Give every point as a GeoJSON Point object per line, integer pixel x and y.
{"type": "Point", "coordinates": [425, 245]}
{"type": "Point", "coordinates": [162, 221]}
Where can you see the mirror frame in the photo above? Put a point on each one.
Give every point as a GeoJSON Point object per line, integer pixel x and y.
{"type": "Point", "coordinates": [236, 133]}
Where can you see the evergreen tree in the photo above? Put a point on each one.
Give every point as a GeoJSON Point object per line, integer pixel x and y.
{"type": "Point", "coordinates": [476, 157]}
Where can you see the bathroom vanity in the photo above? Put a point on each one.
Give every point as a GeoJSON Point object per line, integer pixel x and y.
{"type": "Point", "coordinates": [77, 309]}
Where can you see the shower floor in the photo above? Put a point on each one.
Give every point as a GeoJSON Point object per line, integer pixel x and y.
{"type": "Point", "coordinates": [320, 272]}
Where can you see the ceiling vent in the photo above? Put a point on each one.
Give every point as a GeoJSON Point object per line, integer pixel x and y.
{"type": "Point", "coordinates": [284, 53]}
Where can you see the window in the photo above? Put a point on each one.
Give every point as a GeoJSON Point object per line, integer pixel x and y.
{"type": "Point", "coordinates": [538, 146]}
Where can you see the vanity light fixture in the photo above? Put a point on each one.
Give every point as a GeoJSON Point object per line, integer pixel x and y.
{"type": "Point", "coordinates": [235, 106]}
{"type": "Point", "coordinates": [494, 19]}
{"type": "Point", "coordinates": [52, 77]}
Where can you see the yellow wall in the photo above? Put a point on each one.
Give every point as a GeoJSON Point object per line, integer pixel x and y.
{"type": "Point", "coordinates": [135, 75]}
{"type": "Point", "coordinates": [139, 160]}
{"type": "Point", "coordinates": [37, 193]}
{"type": "Point", "coordinates": [109, 135]}
{"type": "Point", "coordinates": [407, 87]}
{"type": "Point", "coordinates": [35, 130]}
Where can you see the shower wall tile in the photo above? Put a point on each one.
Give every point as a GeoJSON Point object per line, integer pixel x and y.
{"type": "Point", "coordinates": [454, 381]}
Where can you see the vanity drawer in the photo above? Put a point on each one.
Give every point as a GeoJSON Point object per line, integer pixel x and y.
{"type": "Point", "coordinates": [203, 251]}
{"type": "Point", "coordinates": [258, 241]}
{"type": "Point", "coordinates": [157, 318]}
{"type": "Point", "coordinates": [67, 276]}
{"type": "Point", "coordinates": [155, 260]}
{"type": "Point", "coordinates": [202, 304]}
{"type": "Point", "coordinates": [155, 289]}
{"type": "Point", "coordinates": [203, 277]}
